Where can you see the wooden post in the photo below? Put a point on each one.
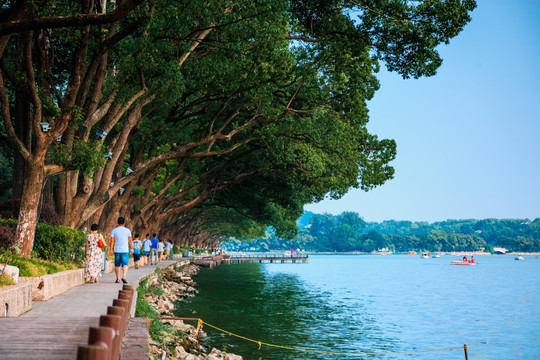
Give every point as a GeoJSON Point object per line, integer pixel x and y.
{"type": "Point", "coordinates": [114, 322]}
{"type": "Point", "coordinates": [126, 295]}
{"type": "Point", "coordinates": [465, 347]}
{"type": "Point", "coordinates": [120, 311]}
{"type": "Point", "coordinates": [129, 289]}
{"type": "Point", "coordinates": [102, 336]}
{"type": "Point", "coordinates": [124, 304]}
{"type": "Point", "coordinates": [92, 352]}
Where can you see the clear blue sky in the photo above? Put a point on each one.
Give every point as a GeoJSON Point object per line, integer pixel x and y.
{"type": "Point", "coordinates": [468, 139]}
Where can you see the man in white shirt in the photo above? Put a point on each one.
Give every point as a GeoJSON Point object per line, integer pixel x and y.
{"type": "Point", "coordinates": [122, 243]}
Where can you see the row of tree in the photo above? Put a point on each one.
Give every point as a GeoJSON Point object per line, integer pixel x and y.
{"type": "Point", "coordinates": [201, 119]}
{"type": "Point", "coordinates": [349, 232]}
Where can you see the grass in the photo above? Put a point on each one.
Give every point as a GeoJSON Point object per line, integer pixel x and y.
{"type": "Point", "coordinates": [158, 331]}
{"type": "Point", "coordinates": [6, 280]}
{"type": "Point", "coordinates": [31, 267]}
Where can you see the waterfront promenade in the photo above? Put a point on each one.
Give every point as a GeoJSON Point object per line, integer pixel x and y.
{"type": "Point", "coordinates": [55, 328]}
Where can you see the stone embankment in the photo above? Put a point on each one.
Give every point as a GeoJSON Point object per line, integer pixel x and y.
{"type": "Point", "coordinates": [182, 343]}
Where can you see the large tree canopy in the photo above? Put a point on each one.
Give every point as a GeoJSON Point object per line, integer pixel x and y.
{"type": "Point", "coordinates": [239, 112]}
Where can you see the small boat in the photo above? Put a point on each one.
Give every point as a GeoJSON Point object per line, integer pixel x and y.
{"type": "Point", "coordinates": [459, 262]}
{"type": "Point", "coordinates": [425, 255]}
{"type": "Point", "coordinates": [519, 257]}
{"type": "Point", "coordinates": [436, 256]}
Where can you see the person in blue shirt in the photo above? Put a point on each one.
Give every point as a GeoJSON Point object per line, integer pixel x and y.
{"type": "Point", "coordinates": [168, 250]}
{"type": "Point", "coordinates": [154, 255]}
{"type": "Point", "coordinates": [121, 244]}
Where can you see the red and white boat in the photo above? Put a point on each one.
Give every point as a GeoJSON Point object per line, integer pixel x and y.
{"type": "Point", "coordinates": [459, 262]}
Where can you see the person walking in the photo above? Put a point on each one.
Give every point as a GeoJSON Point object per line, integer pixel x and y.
{"type": "Point", "coordinates": [122, 244]}
{"type": "Point", "coordinates": [147, 245]}
{"type": "Point", "coordinates": [160, 248]}
{"type": "Point", "coordinates": [154, 251]}
{"type": "Point", "coordinates": [93, 255]}
{"type": "Point", "coordinates": [168, 247]}
{"type": "Point", "coordinates": [137, 244]}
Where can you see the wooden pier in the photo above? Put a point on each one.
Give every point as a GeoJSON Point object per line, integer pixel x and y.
{"type": "Point", "coordinates": [211, 261]}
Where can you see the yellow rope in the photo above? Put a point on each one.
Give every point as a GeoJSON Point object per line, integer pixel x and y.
{"type": "Point", "coordinates": [477, 354]}
{"type": "Point", "coordinates": [260, 343]}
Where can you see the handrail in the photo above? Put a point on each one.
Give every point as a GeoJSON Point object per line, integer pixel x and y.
{"type": "Point", "coordinates": [105, 341]}
{"type": "Point", "coordinates": [269, 256]}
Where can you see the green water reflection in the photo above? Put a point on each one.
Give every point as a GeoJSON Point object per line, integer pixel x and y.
{"type": "Point", "coordinates": [278, 308]}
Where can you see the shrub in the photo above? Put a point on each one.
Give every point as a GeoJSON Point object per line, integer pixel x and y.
{"type": "Point", "coordinates": [55, 243]}
{"type": "Point", "coordinates": [8, 222]}
{"type": "Point", "coordinates": [6, 280]}
{"type": "Point", "coordinates": [59, 244]}
{"type": "Point", "coordinates": [9, 209]}
{"type": "Point", "coordinates": [7, 237]}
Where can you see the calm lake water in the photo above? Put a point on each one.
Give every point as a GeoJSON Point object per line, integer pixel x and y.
{"type": "Point", "coordinates": [381, 304]}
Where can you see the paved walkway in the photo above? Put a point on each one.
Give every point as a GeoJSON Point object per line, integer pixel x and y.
{"type": "Point", "coordinates": [91, 299]}
{"type": "Point", "coordinates": [55, 328]}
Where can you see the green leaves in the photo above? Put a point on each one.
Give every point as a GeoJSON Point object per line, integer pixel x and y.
{"type": "Point", "coordinates": [250, 109]}
{"type": "Point", "coordinates": [86, 156]}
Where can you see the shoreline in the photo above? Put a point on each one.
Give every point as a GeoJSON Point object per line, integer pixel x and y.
{"type": "Point", "coordinates": [173, 338]}
{"type": "Point", "coordinates": [457, 253]}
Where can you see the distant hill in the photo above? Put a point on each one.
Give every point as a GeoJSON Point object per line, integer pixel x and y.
{"type": "Point", "coordinates": [349, 232]}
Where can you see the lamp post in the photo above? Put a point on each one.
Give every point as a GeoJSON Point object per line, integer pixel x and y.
{"type": "Point", "coordinates": [100, 133]}
{"type": "Point", "coordinates": [45, 126]}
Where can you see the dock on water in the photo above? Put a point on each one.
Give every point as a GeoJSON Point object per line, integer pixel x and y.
{"type": "Point", "coordinates": [211, 261]}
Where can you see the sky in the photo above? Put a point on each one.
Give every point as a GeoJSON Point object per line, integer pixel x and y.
{"type": "Point", "coordinates": [468, 139]}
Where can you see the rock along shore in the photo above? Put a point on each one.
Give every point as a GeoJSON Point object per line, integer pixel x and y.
{"type": "Point", "coordinates": [182, 343]}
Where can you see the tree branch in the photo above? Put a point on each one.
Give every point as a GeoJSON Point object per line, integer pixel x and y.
{"type": "Point", "coordinates": [51, 22]}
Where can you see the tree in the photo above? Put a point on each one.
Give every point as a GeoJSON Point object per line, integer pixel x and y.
{"type": "Point", "coordinates": [351, 219]}
{"type": "Point", "coordinates": [265, 96]}
{"type": "Point", "coordinates": [39, 99]}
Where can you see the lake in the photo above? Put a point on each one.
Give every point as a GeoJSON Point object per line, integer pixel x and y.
{"type": "Point", "coordinates": [375, 304]}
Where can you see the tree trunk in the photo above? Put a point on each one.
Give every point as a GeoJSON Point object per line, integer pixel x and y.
{"type": "Point", "coordinates": [23, 126]}
{"type": "Point", "coordinates": [26, 227]}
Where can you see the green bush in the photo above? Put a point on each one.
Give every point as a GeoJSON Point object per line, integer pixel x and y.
{"type": "Point", "coordinates": [59, 244]}
{"type": "Point", "coordinates": [56, 243]}
{"type": "Point", "coordinates": [6, 280]}
{"type": "Point", "coordinates": [8, 222]}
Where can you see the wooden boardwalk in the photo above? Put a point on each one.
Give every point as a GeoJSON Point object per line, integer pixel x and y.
{"type": "Point", "coordinates": [43, 338]}
{"type": "Point", "coordinates": [58, 339]}
{"type": "Point", "coordinates": [211, 261]}
{"type": "Point", "coordinates": [269, 258]}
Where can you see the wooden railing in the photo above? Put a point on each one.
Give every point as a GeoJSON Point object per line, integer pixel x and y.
{"type": "Point", "coordinates": [268, 256]}
{"type": "Point", "coordinates": [105, 341]}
